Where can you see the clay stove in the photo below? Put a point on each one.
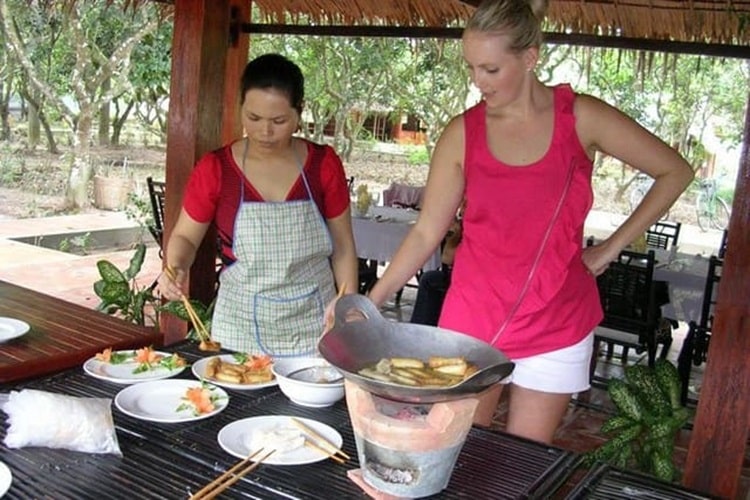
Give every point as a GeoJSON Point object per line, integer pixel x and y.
{"type": "Point", "coordinates": [407, 450]}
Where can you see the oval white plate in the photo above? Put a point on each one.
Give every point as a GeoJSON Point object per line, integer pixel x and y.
{"type": "Point", "coordinates": [158, 401]}
{"type": "Point", "coordinates": [235, 439]}
{"type": "Point", "coordinates": [6, 478]}
{"type": "Point", "coordinates": [11, 328]}
{"type": "Point", "coordinates": [199, 368]}
{"type": "Point", "coordinates": [122, 373]}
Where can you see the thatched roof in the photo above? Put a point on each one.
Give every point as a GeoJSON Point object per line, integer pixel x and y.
{"type": "Point", "coordinates": [715, 21]}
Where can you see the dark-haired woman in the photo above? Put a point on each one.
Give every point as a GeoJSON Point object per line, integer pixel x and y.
{"type": "Point", "coordinates": [281, 208]}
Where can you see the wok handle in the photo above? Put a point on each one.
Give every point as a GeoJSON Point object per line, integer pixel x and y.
{"type": "Point", "coordinates": [359, 303]}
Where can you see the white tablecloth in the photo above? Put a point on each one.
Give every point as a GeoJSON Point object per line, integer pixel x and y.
{"type": "Point", "coordinates": [379, 235]}
{"type": "Point", "coordinates": [686, 275]}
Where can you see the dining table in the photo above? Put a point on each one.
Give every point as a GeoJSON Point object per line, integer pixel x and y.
{"type": "Point", "coordinates": [176, 459]}
{"type": "Point", "coordinates": [685, 275]}
{"type": "Point", "coordinates": [43, 334]}
{"type": "Point", "coordinates": [379, 233]}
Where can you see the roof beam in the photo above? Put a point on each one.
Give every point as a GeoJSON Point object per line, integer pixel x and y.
{"type": "Point", "coordinates": [613, 42]}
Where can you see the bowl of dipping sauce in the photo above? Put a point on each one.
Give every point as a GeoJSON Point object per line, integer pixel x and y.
{"type": "Point", "coordinates": [309, 381]}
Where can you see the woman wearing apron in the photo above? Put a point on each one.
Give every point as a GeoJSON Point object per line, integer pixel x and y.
{"type": "Point", "coordinates": [281, 208]}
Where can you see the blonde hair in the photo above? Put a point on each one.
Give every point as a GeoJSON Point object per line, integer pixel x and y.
{"type": "Point", "coordinates": [520, 19]}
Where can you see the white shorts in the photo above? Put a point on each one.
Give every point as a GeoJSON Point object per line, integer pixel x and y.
{"type": "Point", "coordinates": [565, 371]}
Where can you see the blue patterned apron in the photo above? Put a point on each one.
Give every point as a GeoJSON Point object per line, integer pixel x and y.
{"type": "Point", "coordinates": [272, 298]}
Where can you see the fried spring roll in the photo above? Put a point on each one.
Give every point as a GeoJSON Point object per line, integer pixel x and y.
{"type": "Point", "coordinates": [438, 361]}
{"type": "Point", "coordinates": [407, 363]}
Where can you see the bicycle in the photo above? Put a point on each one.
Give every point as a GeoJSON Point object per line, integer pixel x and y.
{"type": "Point", "coordinates": [711, 210]}
{"type": "Point", "coordinates": [641, 185]}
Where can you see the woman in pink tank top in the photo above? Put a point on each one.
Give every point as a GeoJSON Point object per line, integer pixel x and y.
{"type": "Point", "coordinates": [522, 160]}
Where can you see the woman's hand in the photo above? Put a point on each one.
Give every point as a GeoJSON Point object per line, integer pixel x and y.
{"type": "Point", "coordinates": [597, 257]}
{"type": "Point", "coordinates": [171, 289]}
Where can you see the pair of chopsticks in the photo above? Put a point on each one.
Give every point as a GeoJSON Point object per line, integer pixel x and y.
{"type": "Point", "coordinates": [321, 444]}
{"type": "Point", "coordinates": [194, 318]}
{"type": "Point", "coordinates": [230, 476]}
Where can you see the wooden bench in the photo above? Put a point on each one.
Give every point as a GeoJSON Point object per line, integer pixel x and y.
{"type": "Point", "coordinates": [62, 334]}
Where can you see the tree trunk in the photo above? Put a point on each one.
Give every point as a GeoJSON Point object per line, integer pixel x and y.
{"type": "Point", "coordinates": [76, 195]}
{"type": "Point", "coordinates": [34, 130]}
{"type": "Point", "coordinates": [51, 142]}
{"type": "Point", "coordinates": [4, 112]}
{"type": "Point", "coordinates": [119, 123]}
{"type": "Point", "coordinates": [104, 115]}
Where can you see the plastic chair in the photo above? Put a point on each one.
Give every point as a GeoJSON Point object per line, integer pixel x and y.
{"type": "Point", "coordinates": [627, 296]}
{"type": "Point", "coordinates": [663, 234]}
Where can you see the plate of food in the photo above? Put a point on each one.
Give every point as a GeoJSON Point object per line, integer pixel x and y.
{"type": "Point", "coordinates": [171, 401]}
{"type": "Point", "coordinates": [239, 371]}
{"type": "Point", "coordinates": [280, 433]}
{"type": "Point", "coordinates": [6, 478]}
{"type": "Point", "coordinates": [132, 366]}
{"type": "Point", "coordinates": [11, 328]}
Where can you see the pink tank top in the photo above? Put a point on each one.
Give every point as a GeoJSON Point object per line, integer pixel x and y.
{"type": "Point", "coordinates": [508, 211]}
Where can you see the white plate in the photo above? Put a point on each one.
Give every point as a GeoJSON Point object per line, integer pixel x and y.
{"type": "Point", "coordinates": [5, 479]}
{"type": "Point", "coordinates": [235, 439]}
{"type": "Point", "coordinates": [122, 373]}
{"type": "Point", "coordinates": [11, 328]}
{"type": "Point", "coordinates": [199, 368]}
{"type": "Point", "coordinates": [158, 401]}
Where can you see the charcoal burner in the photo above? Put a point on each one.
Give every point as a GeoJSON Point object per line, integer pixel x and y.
{"type": "Point", "coordinates": [407, 450]}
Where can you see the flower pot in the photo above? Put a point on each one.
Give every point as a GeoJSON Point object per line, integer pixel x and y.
{"type": "Point", "coordinates": [111, 193]}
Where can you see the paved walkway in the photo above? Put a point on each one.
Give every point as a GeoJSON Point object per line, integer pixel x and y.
{"type": "Point", "coordinates": [71, 276]}
{"type": "Point", "coordinates": [62, 274]}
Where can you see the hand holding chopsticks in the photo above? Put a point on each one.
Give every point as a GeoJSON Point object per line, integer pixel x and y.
{"type": "Point", "coordinates": [230, 476]}
{"type": "Point", "coordinates": [321, 443]}
{"type": "Point", "coordinates": [203, 333]}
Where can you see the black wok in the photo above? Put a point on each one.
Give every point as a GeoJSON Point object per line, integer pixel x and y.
{"type": "Point", "coordinates": [361, 339]}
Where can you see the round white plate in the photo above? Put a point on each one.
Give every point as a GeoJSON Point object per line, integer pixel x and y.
{"type": "Point", "coordinates": [122, 373]}
{"type": "Point", "coordinates": [11, 328]}
{"type": "Point", "coordinates": [158, 401]}
{"type": "Point", "coordinates": [5, 479]}
{"type": "Point", "coordinates": [199, 368]}
{"type": "Point", "coordinates": [235, 439]}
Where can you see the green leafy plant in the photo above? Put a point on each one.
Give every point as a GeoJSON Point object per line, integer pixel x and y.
{"type": "Point", "coordinates": [120, 293]}
{"type": "Point", "coordinates": [649, 415]}
{"type": "Point", "coordinates": [204, 312]}
{"type": "Point", "coordinates": [77, 244]}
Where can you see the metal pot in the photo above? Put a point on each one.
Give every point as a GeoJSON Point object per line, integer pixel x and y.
{"type": "Point", "coordinates": [361, 337]}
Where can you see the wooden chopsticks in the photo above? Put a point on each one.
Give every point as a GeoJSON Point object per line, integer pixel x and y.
{"type": "Point", "coordinates": [194, 318]}
{"type": "Point", "coordinates": [230, 476]}
{"type": "Point", "coordinates": [322, 444]}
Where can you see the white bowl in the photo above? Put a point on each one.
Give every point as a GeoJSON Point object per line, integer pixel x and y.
{"type": "Point", "coordinates": [317, 391]}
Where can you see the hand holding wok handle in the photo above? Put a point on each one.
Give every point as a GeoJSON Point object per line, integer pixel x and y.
{"type": "Point", "coordinates": [329, 315]}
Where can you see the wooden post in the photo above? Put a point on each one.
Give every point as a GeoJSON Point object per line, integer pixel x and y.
{"type": "Point", "coordinates": [719, 437]}
{"type": "Point", "coordinates": [202, 117]}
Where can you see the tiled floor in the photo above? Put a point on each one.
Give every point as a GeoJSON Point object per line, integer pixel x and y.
{"type": "Point", "coordinates": [71, 277]}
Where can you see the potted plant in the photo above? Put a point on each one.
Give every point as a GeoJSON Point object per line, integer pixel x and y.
{"type": "Point", "coordinates": [120, 293]}
{"type": "Point", "coordinates": [649, 416]}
